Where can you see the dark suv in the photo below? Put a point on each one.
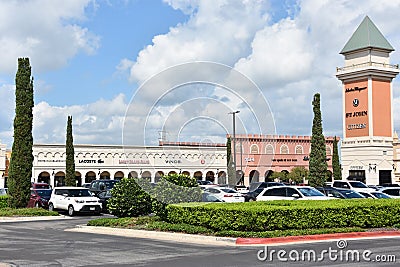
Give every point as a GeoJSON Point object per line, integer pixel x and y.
{"type": "Point", "coordinates": [98, 186]}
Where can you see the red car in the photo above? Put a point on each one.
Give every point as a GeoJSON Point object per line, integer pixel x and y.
{"type": "Point", "coordinates": [40, 186]}
{"type": "Point", "coordinates": [39, 198]}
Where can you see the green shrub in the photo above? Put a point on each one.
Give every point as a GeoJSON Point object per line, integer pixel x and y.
{"type": "Point", "coordinates": [174, 188]}
{"type": "Point", "coordinates": [283, 215]}
{"type": "Point", "coordinates": [3, 201]}
{"type": "Point", "coordinates": [129, 199]}
{"type": "Point", "coordinates": [27, 212]}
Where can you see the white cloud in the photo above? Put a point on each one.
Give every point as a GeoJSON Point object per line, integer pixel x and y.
{"type": "Point", "coordinates": [44, 31]}
{"type": "Point", "coordinates": [218, 31]}
{"type": "Point", "coordinates": [97, 123]}
{"type": "Point", "coordinates": [290, 59]}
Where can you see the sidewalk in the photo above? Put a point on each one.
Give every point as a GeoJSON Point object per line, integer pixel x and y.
{"type": "Point", "coordinates": [228, 241]}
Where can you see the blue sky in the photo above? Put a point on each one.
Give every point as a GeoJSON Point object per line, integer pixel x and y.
{"type": "Point", "coordinates": [91, 57]}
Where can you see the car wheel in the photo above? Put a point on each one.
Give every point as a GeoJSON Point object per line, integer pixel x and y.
{"type": "Point", "coordinates": [71, 211]}
{"type": "Point", "coordinates": [37, 205]}
{"type": "Point", "coordinates": [51, 207]}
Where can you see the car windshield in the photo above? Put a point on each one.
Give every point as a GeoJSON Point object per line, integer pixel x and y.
{"type": "Point", "coordinates": [358, 185]}
{"type": "Point", "coordinates": [310, 192]}
{"type": "Point", "coordinates": [228, 190]}
{"type": "Point", "coordinates": [44, 193]}
{"type": "Point", "coordinates": [351, 194]}
{"type": "Point", "coordinates": [380, 195]}
{"type": "Point", "coordinates": [110, 184]}
{"type": "Point", "coordinates": [79, 193]}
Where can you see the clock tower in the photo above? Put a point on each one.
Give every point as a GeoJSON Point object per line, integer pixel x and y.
{"type": "Point", "coordinates": [367, 145]}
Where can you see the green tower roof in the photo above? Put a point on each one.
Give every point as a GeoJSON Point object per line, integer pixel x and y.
{"type": "Point", "coordinates": [367, 35]}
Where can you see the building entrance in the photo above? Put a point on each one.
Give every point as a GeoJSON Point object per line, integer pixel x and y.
{"type": "Point", "coordinates": [358, 175]}
{"type": "Point", "coordinates": [385, 177]}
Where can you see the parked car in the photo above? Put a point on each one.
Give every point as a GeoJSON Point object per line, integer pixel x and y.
{"type": "Point", "coordinates": [393, 192]}
{"type": "Point", "coordinates": [354, 185]}
{"type": "Point", "coordinates": [208, 197]}
{"type": "Point", "coordinates": [390, 185]}
{"type": "Point", "coordinates": [253, 186]}
{"type": "Point", "coordinates": [242, 189]}
{"type": "Point", "coordinates": [290, 193]}
{"type": "Point", "coordinates": [375, 195]}
{"type": "Point", "coordinates": [225, 193]}
{"type": "Point", "coordinates": [3, 191]}
{"type": "Point", "coordinates": [40, 186]}
{"type": "Point", "coordinates": [376, 187]}
{"type": "Point", "coordinates": [339, 192]}
{"type": "Point", "coordinates": [39, 198]}
{"type": "Point", "coordinates": [86, 185]}
{"type": "Point", "coordinates": [252, 196]}
{"type": "Point", "coordinates": [73, 200]}
{"type": "Point", "coordinates": [98, 186]}
{"type": "Point", "coordinates": [104, 197]}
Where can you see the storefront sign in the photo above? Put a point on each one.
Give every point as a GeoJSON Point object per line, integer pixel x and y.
{"type": "Point", "coordinates": [356, 114]}
{"type": "Point", "coordinates": [92, 161]}
{"type": "Point", "coordinates": [173, 161]}
{"type": "Point", "coordinates": [249, 159]}
{"type": "Point", "coordinates": [134, 161]}
{"type": "Point", "coordinates": [356, 126]}
{"type": "Point", "coordinates": [356, 167]}
{"type": "Point", "coordinates": [355, 89]}
{"type": "Point", "coordinates": [284, 160]}
{"type": "Point", "coordinates": [51, 160]}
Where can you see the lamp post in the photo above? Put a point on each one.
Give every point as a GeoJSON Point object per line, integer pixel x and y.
{"type": "Point", "coordinates": [234, 140]}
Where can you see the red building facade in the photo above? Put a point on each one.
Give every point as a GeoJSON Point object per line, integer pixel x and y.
{"type": "Point", "coordinates": [258, 156]}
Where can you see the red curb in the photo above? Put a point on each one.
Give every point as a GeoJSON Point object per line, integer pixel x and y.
{"type": "Point", "coordinates": [319, 237]}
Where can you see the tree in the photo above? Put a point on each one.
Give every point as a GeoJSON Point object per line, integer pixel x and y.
{"type": "Point", "coordinates": [70, 156]}
{"type": "Point", "coordinates": [20, 171]}
{"type": "Point", "coordinates": [129, 199]}
{"type": "Point", "coordinates": [317, 164]}
{"type": "Point", "coordinates": [173, 188]}
{"type": "Point", "coordinates": [280, 176]}
{"type": "Point", "coordinates": [298, 174]}
{"type": "Point", "coordinates": [337, 172]}
{"type": "Point", "coordinates": [229, 161]}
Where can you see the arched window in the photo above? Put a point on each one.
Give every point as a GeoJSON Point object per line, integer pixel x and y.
{"type": "Point", "coordinates": [299, 149]}
{"type": "Point", "coordinates": [269, 149]}
{"type": "Point", "coordinates": [328, 151]}
{"type": "Point", "coordinates": [284, 149]}
{"type": "Point", "coordinates": [254, 149]}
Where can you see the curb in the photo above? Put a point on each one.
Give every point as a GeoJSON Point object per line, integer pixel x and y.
{"type": "Point", "coordinates": [163, 236]}
{"type": "Point", "coordinates": [315, 238]}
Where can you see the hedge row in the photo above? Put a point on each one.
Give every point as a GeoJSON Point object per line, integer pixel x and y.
{"type": "Point", "coordinates": [3, 201]}
{"type": "Point", "coordinates": [283, 215]}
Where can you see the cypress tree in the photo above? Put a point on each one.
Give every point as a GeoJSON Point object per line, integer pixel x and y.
{"type": "Point", "coordinates": [317, 164]}
{"type": "Point", "coordinates": [20, 171]}
{"type": "Point", "coordinates": [229, 161]}
{"type": "Point", "coordinates": [337, 172]}
{"type": "Point", "coordinates": [70, 156]}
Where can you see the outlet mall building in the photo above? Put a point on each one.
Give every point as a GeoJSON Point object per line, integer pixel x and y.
{"type": "Point", "coordinates": [370, 149]}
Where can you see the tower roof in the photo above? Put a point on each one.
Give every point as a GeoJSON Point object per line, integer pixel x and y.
{"type": "Point", "coordinates": [367, 35]}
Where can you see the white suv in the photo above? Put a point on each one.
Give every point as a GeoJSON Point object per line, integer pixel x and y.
{"type": "Point", "coordinates": [353, 185]}
{"type": "Point", "coordinates": [74, 199]}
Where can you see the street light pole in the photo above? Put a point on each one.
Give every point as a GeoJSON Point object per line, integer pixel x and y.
{"type": "Point", "coordinates": [234, 141]}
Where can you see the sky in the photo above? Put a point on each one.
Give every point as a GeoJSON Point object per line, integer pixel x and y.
{"type": "Point", "coordinates": [130, 71]}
